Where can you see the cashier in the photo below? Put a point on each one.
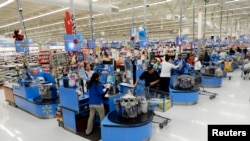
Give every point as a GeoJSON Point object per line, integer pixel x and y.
{"type": "Point", "coordinates": [151, 77]}
{"type": "Point", "coordinates": [96, 93]}
{"type": "Point", "coordinates": [88, 71]}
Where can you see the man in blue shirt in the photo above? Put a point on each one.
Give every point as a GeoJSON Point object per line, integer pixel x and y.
{"type": "Point", "coordinates": [181, 63]}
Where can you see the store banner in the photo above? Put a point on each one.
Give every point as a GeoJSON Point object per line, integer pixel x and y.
{"type": "Point", "coordinates": [218, 39]}
{"type": "Point", "coordinates": [143, 42]}
{"type": "Point", "coordinates": [143, 39]}
{"type": "Point", "coordinates": [91, 44]}
{"type": "Point", "coordinates": [184, 38]}
{"type": "Point", "coordinates": [105, 44]}
{"type": "Point", "coordinates": [212, 41]}
{"type": "Point", "coordinates": [73, 42]}
{"type": "Point", "coordinates": [115, 44]}
{"type": "Point", "coordinates": [178, 41]}
{"type": "Point", "coordinates": [132, 43]}
{"type": "Point", "coordinates": [22, 46]}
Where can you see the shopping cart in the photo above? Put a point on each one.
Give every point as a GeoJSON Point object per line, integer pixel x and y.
{"type": "Point", "coordinates": [158, 101]}
{"type": "Point", "coordinates": [198, 83]}
{"type": "Point", "coordinates": [245, 72]}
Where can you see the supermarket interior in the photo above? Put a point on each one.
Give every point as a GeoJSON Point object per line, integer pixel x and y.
{"type": "Point", "coordinates": [127, 70]}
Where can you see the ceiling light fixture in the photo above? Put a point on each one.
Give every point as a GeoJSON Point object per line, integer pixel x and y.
{"type": "Point", "coordinates": [6, 3]}
{"type": "Point", "coordinates": [232, 1]}
{"type": "Point", "coordinates": [39, 16]}
{"type": "Point", "coordinates": [156, 3]}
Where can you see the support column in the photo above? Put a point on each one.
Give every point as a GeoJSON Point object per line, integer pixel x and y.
{"type": "Point", "coordinates": [145, 13]}
{"type": "Point", "coordinates": [145, 18]}
{"type": "Point", "coordinates": [19, 13]}
{"type": "Point", "coordinates": [199, 35]}
{"type": "Point", "coordinates": [193, 20]}
{"type": "Point", "coordinates": [205, 17]}
{"type": "Point", "coordinates": [227, 25]}
{"type": "Point", "coordinates": [221, 8]}
{"type": "Point", "coordinates": [72, 7]}
{"type": "Point", "coordinates": [91, 20]}
{"type": "Point", "coordinates": [180, 23]}
{"type": "Point", "coordinates": [213, 21]}
{"type": "Point", "coordinates": [133, 16]}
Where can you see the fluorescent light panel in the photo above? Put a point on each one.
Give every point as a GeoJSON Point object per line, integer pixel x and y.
{"type": "Point", "coordinates": [39, 16]}
{"type": "Point", "coordinates": [6, 3]}
{"type": "Point", "coordinates": [156, 3]}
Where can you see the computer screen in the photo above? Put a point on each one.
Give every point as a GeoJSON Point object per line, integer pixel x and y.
{"type": "Point", "coordinates": [111, 79]}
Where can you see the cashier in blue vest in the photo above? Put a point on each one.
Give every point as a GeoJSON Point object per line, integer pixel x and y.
{"type": "Point", "coordinates": [181, 63]}
{"type": "Point", "coordinates": [96, 93]}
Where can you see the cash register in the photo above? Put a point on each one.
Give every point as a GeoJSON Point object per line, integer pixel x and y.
{"type": "Point", "coordinates": [111, 80]}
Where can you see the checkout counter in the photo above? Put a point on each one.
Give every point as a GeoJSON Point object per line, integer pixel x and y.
{"type": "Point", "coordinates": [37, 97]}
{"type": "Point", "coordinates": [75, 111]}
{"type": "Point", "coordinates": [117, 127]}
{"type": "Point", "coordinates": [75, 106]}
{"type": "Point", "coordinates": [8, 92]}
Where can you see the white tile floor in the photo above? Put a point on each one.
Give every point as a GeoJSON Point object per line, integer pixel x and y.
{"type": "Point", "coordinates": [189, 123]}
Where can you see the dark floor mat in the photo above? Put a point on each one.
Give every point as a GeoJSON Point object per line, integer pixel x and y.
{"type": "Point", "coordinates": [95, 136]}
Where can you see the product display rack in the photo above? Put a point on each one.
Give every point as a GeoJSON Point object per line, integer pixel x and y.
{"type": "Point", "coordinates": [58, 63]}
{"type": "Point", "coordinates": [44, 60]}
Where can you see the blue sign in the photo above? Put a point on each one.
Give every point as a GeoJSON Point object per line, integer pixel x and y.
{"type": "Point", "coordinates": [184, 38]}
{"type": "Point", "coordinates": [22, 46]}
{"type": "Point", "coordinates": [105, 44]}
{"type": "Point", "coordinates": [212, 41]}
{"type": "Point", "coordinates": [132, 43]}
{"type": "Point", "coordinates": [143, 42]}
{"type": "Point", "coordinates": [69, 43]}
{"type": "Point", "coordinates": [53, 43]}
{"type": "Point", "coordinates": [218, 39]}
{"type": "Point", "coordinates": [115, 44]}
{"type": "Point", "coordinates": [91, 43]}
{"type": "Point", "coordinates": [178, 41]}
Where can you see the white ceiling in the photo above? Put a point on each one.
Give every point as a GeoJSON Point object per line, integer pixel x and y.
{"type": "Point", "coordinates": [117, 26]}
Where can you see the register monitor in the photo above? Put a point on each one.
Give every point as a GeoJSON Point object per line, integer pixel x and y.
{"type": "Point", "coordinates": [111, 79]}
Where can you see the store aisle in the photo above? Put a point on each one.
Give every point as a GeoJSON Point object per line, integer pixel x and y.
{"type": "Point", "coordinates": [189, 123]}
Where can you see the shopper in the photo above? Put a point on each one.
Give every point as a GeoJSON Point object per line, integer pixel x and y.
{"type": "Point", "coordinates": [151, 77]}
{"type": "Point", "coordinates": [128, 67]}
{"type": "Point", "coordinates": [165, 75]}
{"type": "Point", "coordinates": [95, 101]}
{"type": "Point", "coordinates": [133, 61]}
{"type": "Point", "coordinates": [231, 51]}
{"type": "Point", "coordinates": [238, 49]}
{"type": "Point", "coordinates": [206, 59]}
{"type": "Point", "coordinates": [190, 60]}
{"type": "Point", "coordinates": [222, 55]}
{"type": "Point", "coordinates": [245, 51]}
{"type": "Point", "coordinates": [88, 72]}
{"type": "Point", "coordinates": [187, 57]}
{"type": "Point", "coordinates": [198, 65]}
